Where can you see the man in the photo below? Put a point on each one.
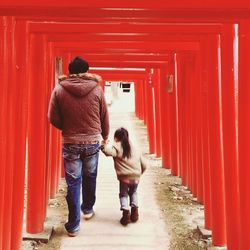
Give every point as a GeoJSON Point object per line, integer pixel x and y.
{"type": "Point", "coordinates": [78, 108]}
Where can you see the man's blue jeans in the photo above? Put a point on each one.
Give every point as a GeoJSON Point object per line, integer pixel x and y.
{"type": "Point", "coordinates": [80, 165]}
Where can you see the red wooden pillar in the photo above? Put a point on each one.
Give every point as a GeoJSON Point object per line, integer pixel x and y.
{"type": "Point", "coordinates": [158, 136]}
{"type": "Point", "coordinates": [173, 117]}
{"type": "Point", "coordinates": [62, 168]}
{"type": "Point", "coordinates": [215, 142]}
{"type": "Point", "coordinates": [142, 100]}
{"type": "Point", "coordinates": [150, 112]}
{"type": "Point", "coordinates": [136, 98]}
{"type": "Point", "coordinates": [141, 93]}
{"type": "Point", "coordinates": [54, 162]}
{"type": "Point", "coordinates": [192, 165]}
{"type": "Point", "coordinates": [59, 160]}
{"type": "Point", "coordinates": [229, 57]}
{"type": "Point", "coordinates": [57, 169]}
{"type": "Point", "coordinates": [165, 88]}
{"type": "Point", "coordinates": [10, 130]}
{"type": "Point", "coordinates": [20, 101]}
{"type": "Point", "coordinates": [60, 157]}
{"type": "Point", "coordinates": [189, 139]}
{"type": "Point", "coordinates": [205, 135]}
{"type": "Point", "coordinates": [184, 92]}
{"type": "Point", "coordinates": [197, 80]}
{"type": "Point", "coordinates": [178, 101]}
{"type": "Point", "coordinates": [102, 83]}
{"type": "Point", "coordinates": [3, 122]}
{"type": "Point", "coordinates": [244, 133]}
{"type": "Point", "coordinates": [193, 127]}
{"type": "Point", "coordinates": [153, 112]}
{"type": "Point", "coordinates": [2, 114]}
{"type": "Point", "coordinates": [53, 72]}
{"type": "Point", "coordinates": [50, 79]}
{"type": "Point", "coordinates": [37, 136]}
{"type": "Point", "coordinates": [49, 162]}
{"type": "Point", "coordinates": [193, 61]}
{"type": "Point", "coordinates": [66, 60]}
{"type": "Point", "coordinates": [139, 97]}
{"type": "Point", "coordinates": [145, 101]}
{"type": "Point", "coordinates": [189, 155]}
{"type": "Point", "coordinates": [181, 82]}
{"type": "Point", "coordinates": [3, 95]}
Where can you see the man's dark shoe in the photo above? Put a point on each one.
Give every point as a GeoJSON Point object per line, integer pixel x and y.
{"type": "Point", "coordinates": [134, 214]}
{"type": "Point", "coordinates": [125, 217]}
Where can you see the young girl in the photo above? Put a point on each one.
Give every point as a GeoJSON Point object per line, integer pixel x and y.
{"type": "Point", "coordinates": [129, 166]}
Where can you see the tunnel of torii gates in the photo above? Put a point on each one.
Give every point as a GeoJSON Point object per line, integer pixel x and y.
{"type": "Point", "coordinates": [192, 92]}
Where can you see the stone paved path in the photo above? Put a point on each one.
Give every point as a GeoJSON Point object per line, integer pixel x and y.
{"type": "Point", "coordinates": [104, 232]}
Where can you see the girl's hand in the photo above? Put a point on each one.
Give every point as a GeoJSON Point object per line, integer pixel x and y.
{"type": "Point", "coordinates": [105, 142]}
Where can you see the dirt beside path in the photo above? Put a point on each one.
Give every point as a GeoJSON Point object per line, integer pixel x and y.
{"type": "Point", "coordinates": [56, 217]}
{"type": "Point", "coordinates": [180, 210]}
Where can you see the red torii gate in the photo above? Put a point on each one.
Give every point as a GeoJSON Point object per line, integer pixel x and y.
{"type": "Point", "coordinates": [177, 172]}
{"type": "Point", "coordinates": [224, 98]}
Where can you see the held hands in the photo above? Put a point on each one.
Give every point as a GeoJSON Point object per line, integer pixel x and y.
{"type": "Point", "coordinates": [106, 141]}
{"type": "Point", "coordinates": [103, 143]}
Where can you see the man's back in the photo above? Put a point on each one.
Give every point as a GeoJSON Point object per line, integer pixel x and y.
{"type": "Point", "coordinates": [79, 109]}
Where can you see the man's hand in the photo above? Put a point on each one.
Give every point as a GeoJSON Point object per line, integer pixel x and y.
{"type": "Point", "coordinates": [106, 141]}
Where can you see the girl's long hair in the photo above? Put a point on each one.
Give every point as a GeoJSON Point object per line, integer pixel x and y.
{"type": "Point", "coordinates": [121, 135]}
